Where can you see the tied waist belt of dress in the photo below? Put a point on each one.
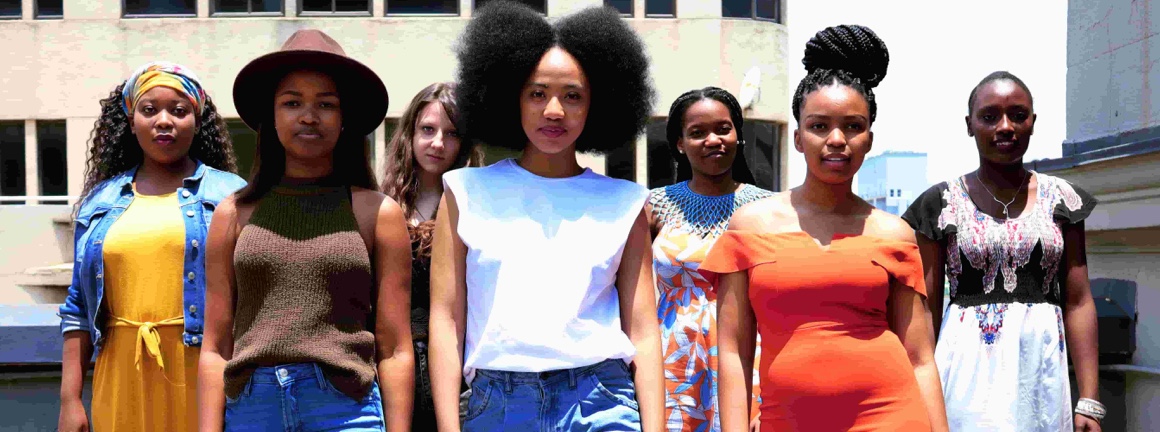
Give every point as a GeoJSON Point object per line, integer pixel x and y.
{"type": "Point", "coordinates": [148, 336]}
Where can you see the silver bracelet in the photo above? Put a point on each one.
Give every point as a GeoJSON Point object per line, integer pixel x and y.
{"type": "Point", "coordinates": [1091, 408]}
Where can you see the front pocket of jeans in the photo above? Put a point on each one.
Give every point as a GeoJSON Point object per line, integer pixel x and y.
{"type": "Point", "coordinates": [613, 397]}
{"type": "Point", "coordinates": [481, 398]}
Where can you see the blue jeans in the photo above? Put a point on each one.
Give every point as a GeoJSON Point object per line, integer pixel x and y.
{"type": "Point", "coordinates": [594, 398]}
{"type": "Point", "coordinates": [298, 398]}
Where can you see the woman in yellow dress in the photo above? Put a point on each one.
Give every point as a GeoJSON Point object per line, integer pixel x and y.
{"type": "Point", "coordinates": [159, 163]}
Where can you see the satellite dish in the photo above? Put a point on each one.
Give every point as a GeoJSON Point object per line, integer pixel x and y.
{"type": "Point", "coordinates": [750, 87]}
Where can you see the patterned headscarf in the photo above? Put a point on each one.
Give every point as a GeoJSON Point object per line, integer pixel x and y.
{"type": "Point", "coordinates": [163, 74]}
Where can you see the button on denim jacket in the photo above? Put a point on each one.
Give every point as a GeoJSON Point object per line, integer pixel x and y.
{"type": "Point", "coordinates": [198, 196]}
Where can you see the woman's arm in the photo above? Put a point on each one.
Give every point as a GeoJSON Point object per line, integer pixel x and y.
{"type": "Point", "coordinates": [448, 313]}
{"type": "Point", "coordinates": [909, 320]}
{"type": "Point", "coordinates": [1079, 320]}
{"type": "Point", "coordinates": [78, 349]}
{"type": "Point", "coordinates": [638, 319]}
{"type": "Point", "coordinates": [393, 345]}
{"type": "Point", "coordinates": [218, 341]}
{"type": "Point", "coordinates": [736, 343]}
{"type": "Point", "coordinates": [934, 260]}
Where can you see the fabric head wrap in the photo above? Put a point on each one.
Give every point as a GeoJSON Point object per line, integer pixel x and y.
{"type": "Point", "coordinates": [163, 74]}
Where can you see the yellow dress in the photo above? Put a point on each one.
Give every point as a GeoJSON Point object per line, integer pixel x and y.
{"type": "Point", "coordinates": [144, 255]}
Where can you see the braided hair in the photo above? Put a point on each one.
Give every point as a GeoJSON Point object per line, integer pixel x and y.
{"type": "Point", "coordinates": [674, 129]}
{"type": "Point", "coordinates": [992, 77]}
{"type": "Point", "coordinates": [849, 55]}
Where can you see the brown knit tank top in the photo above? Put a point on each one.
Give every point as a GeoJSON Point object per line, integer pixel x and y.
{"type": "Point", "coordinates": [304, 289]}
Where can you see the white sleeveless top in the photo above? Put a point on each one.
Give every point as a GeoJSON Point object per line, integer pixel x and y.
{"type": "Point", "coordinates": [542, 256]}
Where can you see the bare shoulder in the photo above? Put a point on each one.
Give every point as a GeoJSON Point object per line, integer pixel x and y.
{"type": "Point", "coordinates": [890, 227]}
{"type": "Point", "coordinates": [367, 198]}
{"type": "Point", "coordinates": [233, 212]}
{"type": "Point", "coordinates": [760, 215]}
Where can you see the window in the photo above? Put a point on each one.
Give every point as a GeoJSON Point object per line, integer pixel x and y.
{"type": "Point", "coordinates": [245, 145]}
{"type": "Point", "coordinates": [621, 163]}
{"type": "Point", "coordinates": [622, 6]}
{"type": "Point", "coordinates": [662, 168]}
{"type": "Point", "coordinates": [246, 7]}
{"type": "Point", "coordinates": [52, 160]}
{"type": "Point", "coordinates": [762, 153]}
{"type": "Point", "coordinates": [159, 7]}
{"type": "Point", "coordinates": [10, 9]}
{"type": "Point", "coordinates": [540, 6]}
{"type": "Point", "coordinates": [754, 9]}
{"type": "Point", "coordinates": [422, 7]}
{"type": "Point", "coordinates": [334, 7]}
{"type": "Point", "coordinates": [49, 9]}
{"type": "Point", "coordinates": [12, 160]}
{"type": "Point", "coordinates": [660, 8]}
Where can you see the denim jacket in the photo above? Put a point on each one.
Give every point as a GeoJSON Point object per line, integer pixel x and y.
{"type": "Point", "coordinates": [198, 196]}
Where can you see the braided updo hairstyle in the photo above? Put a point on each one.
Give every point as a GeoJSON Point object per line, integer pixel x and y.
{"type": "Point", "coordinates": [850, 55]}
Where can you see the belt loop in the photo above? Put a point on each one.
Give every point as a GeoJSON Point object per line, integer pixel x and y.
{"type": "Point", "coordinates": [572, 378]}
{"type": "Point", "coordinates": [507, 382]}
{"type": "Point", "coordinates": [249, 388]}
{"type": "Point", "coordinates": [318, 376]}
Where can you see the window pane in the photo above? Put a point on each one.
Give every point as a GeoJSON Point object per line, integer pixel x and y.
{"type": "Point", "coordinates": [737, 8]}
{"type": "Point", "coordinates": [160, 7]}
{"type": "Point", "coordinates": [51, 148]}
{"type": "Point", "coordinates": [12, 159]}
{"type": "Point", "coordinates": [422, 6]}
{"type": "Point", "coordinates": [316, 6]}
{"type": "Point", "coordinates": [660, 7]}
{"type": "Point", "coordinates": [266, 5]}
{"type": "Point", "coordinates": [49, 8]}
{"type": "Point", "coordinates": [623, 6]}
{"type": "Point", "coordinates": [352, 5]}
{"type": "Point", "coordinates": [621, 163]}
{"type": "Point", "coordinates": [762, 154]}
{"type": "Point", "coordinates": [538, 5]}
{"type": "Point", "coordinates": [233, 6]}
{"type": "Point", "coordinates": [9, 8]}
{"type": "Point", "coordinates": [245, 145]}
{"type": "Point", "coordinates": [662, 168]}
{"type": "Point", "coordinates": [768, 9]}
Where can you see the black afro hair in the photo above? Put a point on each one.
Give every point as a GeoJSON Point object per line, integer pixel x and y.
{"type": "Point", "coordinates": [505, 41]}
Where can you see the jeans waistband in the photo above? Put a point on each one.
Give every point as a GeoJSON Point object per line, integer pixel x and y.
{"type": "Point", "coordinates": [552, 376]}
{"type": "Point", "coordinates": [287, 373]}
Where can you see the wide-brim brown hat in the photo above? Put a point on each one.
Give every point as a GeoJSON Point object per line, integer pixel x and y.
{"type": "Point", "coordinates": [361, 91]}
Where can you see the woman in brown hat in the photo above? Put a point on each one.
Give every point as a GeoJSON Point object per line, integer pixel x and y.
{"type": "Point", "coordinates": [309, 266]}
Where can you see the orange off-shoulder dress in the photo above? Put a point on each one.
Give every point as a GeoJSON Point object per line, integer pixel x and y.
{"type": "Point", "coordinates": [829, 359]}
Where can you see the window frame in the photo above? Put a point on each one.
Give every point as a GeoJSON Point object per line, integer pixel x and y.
{"type": "Point", "coordinates": [165, 15]}
{"type": "Point", "coordinates": [673, 15]}
{"type": "Point", "coordinates": [213, 12]}
{"type": "Point", "coordinates": [753, 13]}
{"type": "Point", "coordinates": [43, 197]}
{"type": "Point", "coordinates": [333, 13]}
{"type": "Point", "coordinates": [475, 6]}
{"type": "Point", "coordinates": [458, 11]}
{"type": "Point", "coordinates": [36, 15]}
{"type": "Point", "coordinates": [22, 178]}
{"type": "Point", "coordinates": [19, 13]}
{"type": "Point", "coordinates": [631, 9]}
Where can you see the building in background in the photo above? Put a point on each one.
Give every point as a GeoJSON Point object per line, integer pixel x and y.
{"type": "Point", "coordinates": [1113, 151]}
{"type": "Point", "coordinates": [61, 56]}
{"type": "Point", "coordinates": [892, 180]}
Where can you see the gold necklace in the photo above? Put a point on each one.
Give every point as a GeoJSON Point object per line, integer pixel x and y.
{"type": "Point", "coordinates": [1008, 203]}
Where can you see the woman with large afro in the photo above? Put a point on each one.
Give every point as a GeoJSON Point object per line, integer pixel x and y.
{"type": "Point", "coordinates": [540, 284]}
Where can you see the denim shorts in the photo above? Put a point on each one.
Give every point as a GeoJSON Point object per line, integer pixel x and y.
{"type": "Point", "coordinates": [298, 398]}
{"type": "Point", "coordinates": [594, 398]}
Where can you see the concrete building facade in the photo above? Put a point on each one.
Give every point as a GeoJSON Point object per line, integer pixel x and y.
{"type": "Point", "coordinates": [892, 180]}
{"type": "Point", "coordinates": [61, 57]}
{"type": "Point", "coordinates": [1113, 151]}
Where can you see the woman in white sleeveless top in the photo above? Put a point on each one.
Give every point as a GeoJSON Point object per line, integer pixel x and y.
{"type": "Point", "coordinates": [541, 291]}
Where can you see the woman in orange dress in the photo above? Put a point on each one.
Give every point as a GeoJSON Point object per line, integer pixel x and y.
{"type": "Point", "coordinates": [834, 286]}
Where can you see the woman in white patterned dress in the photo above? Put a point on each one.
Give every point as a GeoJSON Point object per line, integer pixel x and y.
{"type": "Point", "coordinates": [1011, 243]}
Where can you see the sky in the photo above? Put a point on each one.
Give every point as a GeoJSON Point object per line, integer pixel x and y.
{"type": "Point", "coordinates": [938, 52]}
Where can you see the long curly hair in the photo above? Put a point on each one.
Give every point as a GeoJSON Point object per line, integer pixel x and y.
{"type": "Point", "coordinates": [113, 149]}
{"type": "Point", "coordinates": [401, 179]}
{"type": "Point", "coordinates": [504, 42]}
